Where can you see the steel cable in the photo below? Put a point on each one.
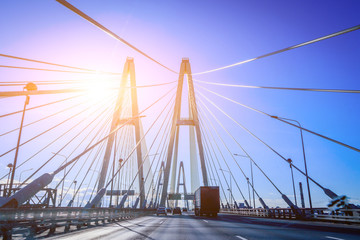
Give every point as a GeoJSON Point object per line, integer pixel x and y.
{"type": "Point", "coordinates": [283, 50]}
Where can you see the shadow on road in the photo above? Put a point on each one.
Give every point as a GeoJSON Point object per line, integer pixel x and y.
{"type": "Point", "coordinates": [147, 237]}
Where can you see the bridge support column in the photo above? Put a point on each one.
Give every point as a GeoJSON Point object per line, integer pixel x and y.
{"type": "Point", "coordinates": [181, 170]}
{"type": "Point", "coordinates": [114, 124]}
{"type": "Point", "coordinates": [185, 69]}
{"type": "Point", "coordinates": [128, 73]}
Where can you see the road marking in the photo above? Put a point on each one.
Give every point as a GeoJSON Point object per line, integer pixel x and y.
{"type": "Point", "coordinates": [335, 238]}
{"type": "Point", "coordinates": [161, 222]}
{"type": "Point", "coordinates": [242, 238]}
{"type": "Point", "coordinates": [205, 221]}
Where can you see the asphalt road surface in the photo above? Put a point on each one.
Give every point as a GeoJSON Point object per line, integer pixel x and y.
{"type": "Point", "coordinates": [225, 226]}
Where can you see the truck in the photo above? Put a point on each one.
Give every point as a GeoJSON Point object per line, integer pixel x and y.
{"type": "Point", "coordinates": [207, 201]}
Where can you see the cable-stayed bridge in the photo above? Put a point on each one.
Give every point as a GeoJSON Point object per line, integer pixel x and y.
{"type": "Point", "coordinates": [86, 154]}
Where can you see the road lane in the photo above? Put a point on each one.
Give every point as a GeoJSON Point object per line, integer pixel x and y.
{"type": "Point", "coordinates": [226, 226]}
{"type": "Point", "coordinates": [260, 228]}
{"type": "Point", "coordinates": [138, 228]}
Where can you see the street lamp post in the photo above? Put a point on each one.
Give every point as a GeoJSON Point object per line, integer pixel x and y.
{"type": "Point", "coordinates": [292, 176]}
{"type": "Point", "coordinates": [117, 196]}
{"type": "Point", "coordinates": [10, 166]}
{"type": "Point", "coordinates": [24, 171]}
{"type": "Point", "coordinates": [75, 182]}
{"type": "Point", "coordinates": [303, 148]}
{"type": "Point", "coordinates": [63, 181]}
{"type": "Point", "coordinates": [248, 182]}
{"type": "Point", "coordinates": [252, 177]}
{"type": "Point", "coordinates": [29, 87]}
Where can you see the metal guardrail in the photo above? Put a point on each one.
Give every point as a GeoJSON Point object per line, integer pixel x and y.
{"type": "Point", "coordinates": [319, 214]}
{"type": "Point", "coordinates": [37, 220]}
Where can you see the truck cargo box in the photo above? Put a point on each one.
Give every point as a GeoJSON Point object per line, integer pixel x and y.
{"type": "Point", "coordinates": [207, 201]}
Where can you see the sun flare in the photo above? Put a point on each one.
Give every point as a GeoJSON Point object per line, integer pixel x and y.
{"type": "Point", "coordinates": [100, 87]}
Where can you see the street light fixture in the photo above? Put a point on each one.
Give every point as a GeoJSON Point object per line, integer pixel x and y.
{"type": "Point", "coordinates": [248, 182]}
{"type": "Point", "coordinates": [252, 176]}
{"type": "Point", "coordinates": [29, 87]}
{"type": "Point", "coordinates": [10, 166]}
{"type": "Point", "coordinates": [75, 182]}
{"type": "Point", "coordinates": [292, 176]}
{"type": "Point", "coordinates": [303, 148]}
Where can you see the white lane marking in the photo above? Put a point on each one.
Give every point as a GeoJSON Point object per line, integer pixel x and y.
{"type": "Point", "coordinates": [205, 221]}
{"type": "Point", "coordinates": [335, 238]}
{"type": "Point", "coordinates": [161, 222]}
{"type": "Point", "coordinates": [242, 238]}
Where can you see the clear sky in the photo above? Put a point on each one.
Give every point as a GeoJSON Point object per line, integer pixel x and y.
{"type": "Point", "coordinates": [211, 34]}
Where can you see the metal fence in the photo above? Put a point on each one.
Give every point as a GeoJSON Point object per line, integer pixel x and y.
{"type": "Point", "coordinates": [41, 219]}
{"type": "Point", "coordinates": [319, 214]}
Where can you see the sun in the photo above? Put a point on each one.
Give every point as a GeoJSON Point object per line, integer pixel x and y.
{"type": "Point", "coordinates": [100, 87]}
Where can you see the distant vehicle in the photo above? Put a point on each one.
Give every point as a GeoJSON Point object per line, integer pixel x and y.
{"type": "Point", "coordinates": [184, 209]}
{"type": "Point", "coordinates": [168, 210]}
{"type": "Point", "coordinates": [161, 210]}
{"type": "Point", "coordinates": [207, 201]}
{"type": "Point", "coordinates": [176, 210]}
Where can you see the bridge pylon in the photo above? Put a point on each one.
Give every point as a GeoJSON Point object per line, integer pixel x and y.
{"type": "Point", "coordinates": [193, 122]}
{"type": "Point", "coordinates": [183, 183]}
{"type": "Point", "coordinates": [127, 74]}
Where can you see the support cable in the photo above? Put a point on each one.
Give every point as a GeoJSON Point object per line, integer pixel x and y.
{"type": "Point", "coordinates": [212, 166]}
{"type": "Point", "coordinates": [163, 144]}
{"type": "Point", "coordinates": [125, 113]}
{"type": "Point", "coordinates": [124, 148]}
{"type": "Point", "coordinates": [64, 82]}
{"type": "Point", "coordinates": [219, 136]}
{"type": "Point", "coordinates": [43, 105]}
{"type": "Point", "coordinates": [43, 69]}
{"type": "Point", "coordinates": [49, 144]}
{"type": "Point", "coordinates": [112, 34]}
{"type": "Point", "coordinates": [284, 49]}
{"type": "Point", "coordinates": [51, 115]}
{"type": "Point", "coordinates": [282, 88]}
{"type": "Point", "coordinates": [101, 147]}
{"type": "Point", "coordinates": [120, 147]}
{"type": "Point", "coordinates": [153, 142]}
{"type": "Point", "coordinates": [231, 174]}
{"type": "Point", "coordinates": [217, 172]}
{"type": "Point", "coordinates": [53, 127]}
{"type": "Point", "coordinates": [100, 131]}
{"type": "Point", "coordinates": [247, 130]}
{"type": "Point", "coordinates": [58, 65]}
{"type": "Point", "coordinates": [111, 133]}
{"type": "Point", "coordinates": [283, 120]}
{"type": "Point", "coordinates": [93, 173]}
{"type": "Point", "coordinates": [42, 92]}
{"type": "Point", "coordinates": [14, 84]}
{"type": "Point", "coordinates": [159, 159]}
{"type": "Point", "coordinates": [133, 150]}
{"type": "Point", "coordinates": [101, 107]}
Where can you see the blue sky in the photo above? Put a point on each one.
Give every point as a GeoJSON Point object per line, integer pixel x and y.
{"type": "Point", "coordinates": [213, 34]}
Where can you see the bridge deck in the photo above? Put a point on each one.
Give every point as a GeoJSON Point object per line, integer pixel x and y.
{"type": "Point", "coordinates": [226, 226]}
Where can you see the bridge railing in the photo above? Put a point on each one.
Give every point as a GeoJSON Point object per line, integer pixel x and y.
{"type": "Point", "coordinates": [344, 215]}
{"type": "Point", "coordinates": [50, 218]}
{"type": "Point", "coordinates": [320, 214]}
